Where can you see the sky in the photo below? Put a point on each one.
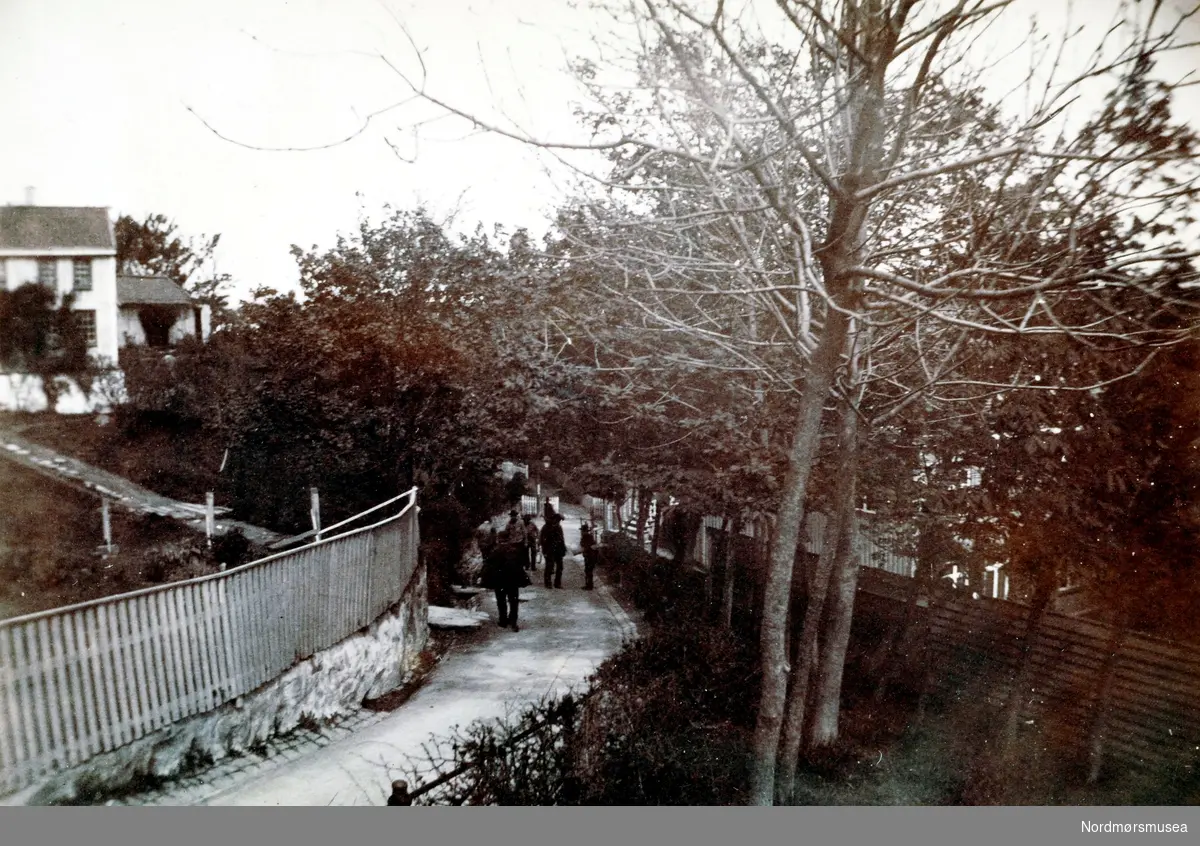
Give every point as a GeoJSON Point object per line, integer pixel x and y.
{"type": "Point", "coordinates": [106, 104]}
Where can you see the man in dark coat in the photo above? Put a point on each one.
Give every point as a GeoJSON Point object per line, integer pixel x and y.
{"type": "Point", "coordinates": [531, 541]}
{"type": "Point", "coordinates": [554, 547]}
{"type": "Point", "coordinates": [507, 576]}
{"type": "Point", "coordinates": [508, 571]}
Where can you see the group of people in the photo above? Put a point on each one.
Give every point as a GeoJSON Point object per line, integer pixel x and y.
{"type": "Point", "coordinates": [512, 554]}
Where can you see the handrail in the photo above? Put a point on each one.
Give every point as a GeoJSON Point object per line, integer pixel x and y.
{"type": "Point", "coordinates": [410, 493]}
{"type": "Point", "coordinates": [105, 600]}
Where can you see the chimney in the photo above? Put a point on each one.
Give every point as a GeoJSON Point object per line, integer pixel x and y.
{"type": "Point", "coordinates": [29, 195]}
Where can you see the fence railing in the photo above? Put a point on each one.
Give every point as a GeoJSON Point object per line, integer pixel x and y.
{"type": "Point", "coordinates": [89, 678]}
{"type": "Point", "coordinates": [1151, 716]}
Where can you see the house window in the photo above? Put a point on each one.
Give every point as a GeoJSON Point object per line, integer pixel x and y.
{"type": "Point", "coordinates": [86, 321]}
{"type": "Point", "coordinates": [83, 274]}
{"type": "Point", "coordinates": [48, 273]}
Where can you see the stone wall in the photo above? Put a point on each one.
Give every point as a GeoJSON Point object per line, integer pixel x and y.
{"type": "Point", "coordinates": [332, 682]}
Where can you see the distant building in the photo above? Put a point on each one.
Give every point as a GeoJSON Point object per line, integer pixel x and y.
{"type": "Point", "coordinates": [73, 250]}
{"type": "Point", "coordinates": [69, 250]}
{"type": "Point", "coordinates": [154, 311]}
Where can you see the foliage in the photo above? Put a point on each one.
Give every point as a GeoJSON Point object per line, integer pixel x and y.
{"type": "Point", "coordinates": [515, 488]}
{"type": "Point", "coordinates": [43, 339]}
{"type": "Point", "coordinates": [663, 722]}
{"type": "Point", "coordinates": [828, 206]}
{"type": "Point", "coordinates": [447, 526]}
{"type": "Point", "coordinates": [152, 247]}
{"type": "Point", "coordinates": [522, 760]}
{"type": "Point", "coordinates": [407, 359]}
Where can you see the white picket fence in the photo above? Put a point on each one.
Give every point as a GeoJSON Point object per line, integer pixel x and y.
{"type": "Point", "coordinates": [533, 505]}
{"type": "Point", "coordinates": [89, 678]}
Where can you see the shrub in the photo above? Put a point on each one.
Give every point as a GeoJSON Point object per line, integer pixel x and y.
{"type": "Point", "coordinates": [234, 549]}
{"type": "Point", "coordinates": [177, 560]}
{"type": "Point", "coordinates": [522, 760]}
{"type": "Point", "coordinates": [669, 720]}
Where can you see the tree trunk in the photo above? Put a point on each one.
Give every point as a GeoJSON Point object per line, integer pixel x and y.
{"type": "Point", "coordinates": [773, 640]}
{"type": "Point", "coordinates": [1011, 713]}
{"type": "Point", "coordinates": [860, 133]}
{"type": "Point", "coordinates": [643, 514]}
{"type": "Point", "coordinates": [728, 573]}
{"type": "Point", "coordinates": [840, 526]}
{"type": "Point", "coordinates": [886, 658]}
{"type": "Point", "coordinates": [835, 640]}
{"type": "Point", "coordinates": [710, 578]}
{"type": "Point", "coordinates": [692, 527]}
{"type": "Point", "coordinates": [1098, 731]}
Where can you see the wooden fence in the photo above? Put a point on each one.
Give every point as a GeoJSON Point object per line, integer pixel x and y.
{"type": "Point", "coordinates": [533, 505]}
{"type": "Point", "coordinates": [1152, 715]}
{"type": "Point", "coordinates": [89, 678]}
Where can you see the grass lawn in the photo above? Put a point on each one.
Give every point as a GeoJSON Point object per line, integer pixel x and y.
{"type": "Point", "coordinates": [50, 537]}
{"type": "Point", "coordinates": [180, 465]}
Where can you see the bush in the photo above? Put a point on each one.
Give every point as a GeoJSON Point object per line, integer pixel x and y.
{"type": "Point", "coordinates": [668, 721]}
{"type": "Point", "coordinates": [446, 530]}
{"type": "Point", "coordinates": [234, 549]}
{"type": "Point", "coordinates": [522, 760]}
{"type": "Point", "coordinates": [659, 587]}
{"type": "Point", "coordinates": [177, 560]}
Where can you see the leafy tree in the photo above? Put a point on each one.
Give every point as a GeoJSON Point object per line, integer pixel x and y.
{"type": "Point", "coordinates": [405, 360]}
{"type": "Point", "coordinates": [152, 247]}
{"type": "Point", "coordinates": [45, 340]}
{"type": "Point", "coordinates": [834, 146]}
{"type": "Point", "coordinates": [515, 488]}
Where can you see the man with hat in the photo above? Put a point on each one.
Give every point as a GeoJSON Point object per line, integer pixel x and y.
{"type": "Point", "coordinates": [513, 532]}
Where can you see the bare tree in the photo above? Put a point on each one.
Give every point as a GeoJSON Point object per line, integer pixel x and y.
{"type": "Point", "coordinates": [786, 182]}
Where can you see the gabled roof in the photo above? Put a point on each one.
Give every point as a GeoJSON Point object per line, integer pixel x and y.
{"type": "Point", "coordinates": [150, 290]}
{"type": "Point", "coordinates": [54, 227]}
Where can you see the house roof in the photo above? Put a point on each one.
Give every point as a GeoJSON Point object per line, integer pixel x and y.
{"type": "Point", "coordinates": [150, 290]}
{"type": "Point", "coordinates": [51, 227]}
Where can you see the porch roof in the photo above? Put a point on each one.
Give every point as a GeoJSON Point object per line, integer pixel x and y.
{"type": "Point", "coordinates": [150, 290]}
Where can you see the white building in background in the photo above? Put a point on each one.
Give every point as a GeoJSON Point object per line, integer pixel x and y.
{"type": "Point", "coordinates": [154, 311]}
{"type": "Point", "coordinates": [70, 250]}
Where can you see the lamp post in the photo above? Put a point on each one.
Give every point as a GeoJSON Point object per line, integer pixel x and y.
{"type": "Point", "coordinates": [545, 466]}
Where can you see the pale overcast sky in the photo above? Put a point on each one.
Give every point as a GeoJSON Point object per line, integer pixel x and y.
{"type": "Point", "coordinates": [94, 101]}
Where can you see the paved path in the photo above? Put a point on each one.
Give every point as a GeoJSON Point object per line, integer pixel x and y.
{"type": "Point", "coordinates": [564, 635]}
{"type": "Point", "coordinates": [131, 496]}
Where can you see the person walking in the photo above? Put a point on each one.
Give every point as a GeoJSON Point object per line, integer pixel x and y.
{"type": "Point", "coordinates": [587, 542]}
{"type": "Point", "coordinates": [509, 577]}
{"type": "Point", "coordinates": [531, 541]}
{"type": "Point", "coordinates": [554, 547]}
{"type": "Point", "coordinates": [508, 572]}
{"type": "Point", "coordinates": [513, 531]}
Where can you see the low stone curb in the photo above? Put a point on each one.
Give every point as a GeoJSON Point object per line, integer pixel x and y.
{"type": "Point", "coordinates": [199, 788]}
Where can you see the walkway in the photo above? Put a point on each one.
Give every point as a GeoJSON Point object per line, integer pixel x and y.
{"type": "Point", "coordinates": [131, 496]}
{"type": "Point", "coordinates": [565, 634]}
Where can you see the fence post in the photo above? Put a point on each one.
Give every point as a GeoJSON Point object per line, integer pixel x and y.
{"type": "Point", "coordinates": [209, 517]}
{"type": "Point", "coordinates": [569, 711]}
{"type": "Point", "coordinates": [106, 522]}
{"type": "Point", "coordinates": [314, 507]}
